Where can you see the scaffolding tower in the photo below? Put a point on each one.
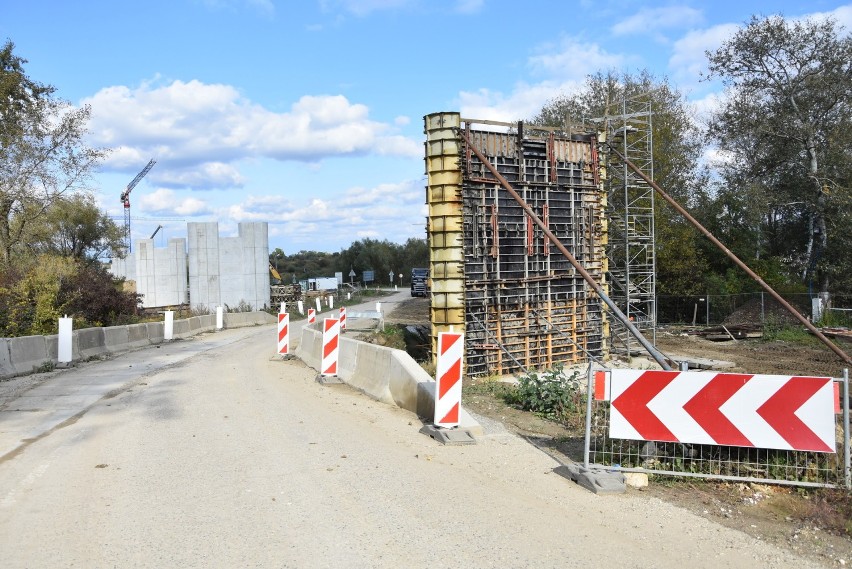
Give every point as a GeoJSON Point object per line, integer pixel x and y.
{"type": "Point", "coordinates": [630, 209]}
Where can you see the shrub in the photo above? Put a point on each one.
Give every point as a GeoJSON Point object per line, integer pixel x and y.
{"type": "Point", "coordinates": [550, 394]}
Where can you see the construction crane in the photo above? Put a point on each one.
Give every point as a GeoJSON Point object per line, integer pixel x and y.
{"type": "Point", "coordinates": [125, 198]}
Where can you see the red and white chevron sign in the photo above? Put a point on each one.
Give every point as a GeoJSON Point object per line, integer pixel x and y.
{"type": "Point", "coordinates": [761, 411]}
{"type": "Point", "coordinates": [330, 346]}
{"type": "Point", "coordinates": [449, 380]}
{"type": "Point", "coordinates": [283, 333]}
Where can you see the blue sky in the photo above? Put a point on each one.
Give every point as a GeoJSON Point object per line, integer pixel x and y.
{"type": "Point", "coordinates": [308, 114]}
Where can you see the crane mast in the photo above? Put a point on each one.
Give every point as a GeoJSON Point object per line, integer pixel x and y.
{"type": "Point", "coordinates": [125, 198]}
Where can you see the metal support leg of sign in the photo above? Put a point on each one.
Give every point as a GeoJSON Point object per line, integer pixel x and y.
{"type": "Point", "coordinates": [595, 478]}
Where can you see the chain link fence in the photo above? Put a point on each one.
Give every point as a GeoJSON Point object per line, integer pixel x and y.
{"type": "Point", "coordinates": [734, 309]}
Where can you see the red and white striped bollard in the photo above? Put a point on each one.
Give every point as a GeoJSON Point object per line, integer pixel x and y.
{"type": "Point", "coordinates": [283, 334]}
{"type": "Point", "coordinates": [449, 381]}
{"type": "Point", "coordinates": [330, 347]}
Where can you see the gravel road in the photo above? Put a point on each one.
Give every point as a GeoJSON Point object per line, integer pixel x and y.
{"type": "Point", "coordinates": [235, 458]}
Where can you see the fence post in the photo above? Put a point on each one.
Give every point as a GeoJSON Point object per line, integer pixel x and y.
{"type": "Point", "coordinates": [589, 391]}
{"type": "Point", "coordinates": [846, 458]}
{"type": "Point", "coordinates": [708, 310]}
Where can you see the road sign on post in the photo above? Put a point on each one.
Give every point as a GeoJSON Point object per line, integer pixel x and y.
{"type": "Point", "coordinates": [448, 388]}
{"type": "Point", "coordinates": [448, 377]}
{"type": "Point", "coordinates": [330, 351]}
{"type": "Point", "coordinates": [760, 411]}
{"type": "Point", "coordinates": [283, 334]}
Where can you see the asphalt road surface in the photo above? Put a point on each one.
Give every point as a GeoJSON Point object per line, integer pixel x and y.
{"type": "Point", "coordinates": [232, 457]}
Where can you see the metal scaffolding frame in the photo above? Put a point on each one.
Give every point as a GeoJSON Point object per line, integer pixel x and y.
{"type": "Point", "coordinates": [630, 209]}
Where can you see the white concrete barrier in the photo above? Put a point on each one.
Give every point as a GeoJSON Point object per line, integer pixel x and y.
{"type": "Point", "coordinates": [90, 342]}
{"type": "Point", "coordinates": [138, 336]}
{"type": "Point", "coordinates": [385, 374]}
{"type": "Point", "coordinates": [116, 338]}
{"type": "Point", "coordinates": [6, 367]}
{"type": "Point", "coordinates": [22, 355]}
{"type": "Point", "coordinates": [28, 353]}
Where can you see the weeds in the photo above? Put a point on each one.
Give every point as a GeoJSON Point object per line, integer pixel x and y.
{"type": "Point", "coordinates": [550, 394]}
{"type": "Point", "coordinates": [776, 330]}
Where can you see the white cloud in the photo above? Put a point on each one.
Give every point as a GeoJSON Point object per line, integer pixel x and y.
{"type": "Point", "coordinates": [216, 174]}
{"type": "Point", "coordinates": [651, 20]}
{"type": "Point", "coordinates": [265, 7]}
{"type": "Point", "coordinates": [702, 108]}
{"type": "Point", "coordinates": [469, 6]}
{"type": "Point", "coordinates": [572, 60]}
{"type": "Point", "coordinates": [563, 68]}
{"type": "Point", "coordinates": [842, 14]}
{"type": "Point", "coordinates": [388, 211]}
{"type": "Point", "coordinates": [688, 59]}
{"type": "Point", "coordinates": [166, 202]}
{"type": "Point", "coordinates": [405, 193]}
{"type": "Point", "coordinates": [362, 7]}
{"type": "Point", "coordinates": [200, 130]}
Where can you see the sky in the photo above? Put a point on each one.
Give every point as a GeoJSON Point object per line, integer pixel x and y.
{"type": "Point", "coordinates": [308, 114]}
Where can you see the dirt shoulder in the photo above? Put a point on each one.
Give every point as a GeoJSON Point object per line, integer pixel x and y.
{"type": "Point", "coordinates": [813, 523]}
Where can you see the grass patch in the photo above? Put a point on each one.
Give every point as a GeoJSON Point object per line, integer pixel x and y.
{"type": "Point", "coordinates": [393, 336]}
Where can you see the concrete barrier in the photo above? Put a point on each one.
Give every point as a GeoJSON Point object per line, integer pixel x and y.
{"type": "Point", "coordinates": [138, 336]}
{"type": "Point", "coordinates": [90, 342]}
{"type": "Point", "coordinates": [309, 349]}
{"type": "Point", "coordinates": [52, 344]}
{"type": "Point", "coordinates": [156, 331]}
{"type": "Point", "coordinates": [371, 371]}
{"type": "Point", "coordinates": [6, 367]}
{"type": "Point", "coordinates": [22, 355]}
{"type": "Point", "coordinates": [116, 338]}
{"type": "Point", "coordinates": [388, 375]}
{"type": "Point", "coordinates": [418, 392]}
{"type": "Point", "coordinates": [28, 353]}
{"type": "Point", "coordinates": [182, 329]}
{"type": "Point", "coordinates": [240, 319]}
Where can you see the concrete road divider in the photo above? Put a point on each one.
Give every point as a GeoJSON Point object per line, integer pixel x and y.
{"type": "Point", "coordinates": [385, 374]}
{"type": "Point", "coordinates": [6, 367]}
{"type": "Point", "coordinates": [23, 355]}
{"type": "Point", "coordinates": [116, 337]}
{"type": "Point", "coordinates": [90, 342]}
{"type": "Point", "coordinates": [28, 353]}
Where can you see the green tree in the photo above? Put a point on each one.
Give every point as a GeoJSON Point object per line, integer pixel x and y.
{"type": "Point", "coordinates": [677, 149]}
{"type": "Point", "coordinates": [42, 154]}
{"type": "Point", "coordinates": [383, 257]}
{"type": "Point", "coordinates": [784, 130]}
{"type": "Point", "coordinates": [74, 226]}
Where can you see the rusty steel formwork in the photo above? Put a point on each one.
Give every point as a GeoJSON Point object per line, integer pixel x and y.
{"type": "Point", "coordinates": [524, 306]}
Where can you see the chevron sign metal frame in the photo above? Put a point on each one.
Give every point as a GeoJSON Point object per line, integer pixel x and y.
{"type": "Point", "coordinates": [768, 428]}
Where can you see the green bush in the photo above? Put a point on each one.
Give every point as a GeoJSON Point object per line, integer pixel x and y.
{"type": "Point", "coordinates": [550, 394]}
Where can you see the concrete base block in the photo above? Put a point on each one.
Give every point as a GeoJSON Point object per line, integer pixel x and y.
{"type": "Point", "coordinates": [328, 379]}
{"type": "Point", "coordinates": [449, 436]}
{"type": "Point", "coordinates": [598, 481]}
